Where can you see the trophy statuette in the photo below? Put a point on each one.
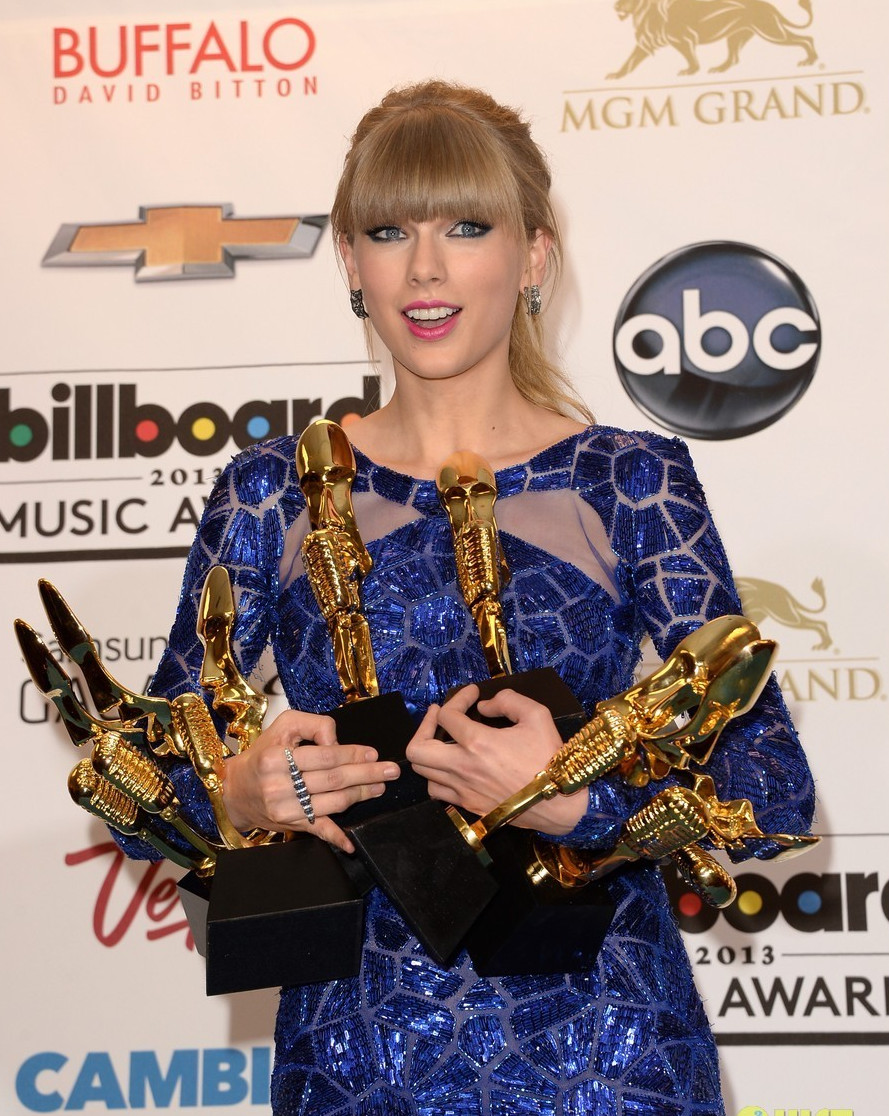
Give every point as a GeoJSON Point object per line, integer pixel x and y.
{"type": "Point", "coordinates": [669, 721]}
{"type": "Point", "coordinates": [511, 924]}
{"type": "Point", "coordinates": [336, 562]}
{"type": "Point", "coordinates": [263, 911]}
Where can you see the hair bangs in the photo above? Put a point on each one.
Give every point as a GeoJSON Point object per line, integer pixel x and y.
{"type": "Point", "coordinates": [426, 166]}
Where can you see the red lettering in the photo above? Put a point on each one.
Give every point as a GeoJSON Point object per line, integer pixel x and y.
{"type": "Point", "coordinates": [66, 47]}
{"type": "Point", "coordinates": [172, 45]}
{"type": "Point", "coordinates": [160, 900]}
{"type": "Point", "coordinates": [204, 53]}
{"type": "Point", "coordinates": [287, 44]}
{"type": "Point", "coordinates": [111, 938]}
{"type": "Point", "coordinates": [310, 44]}
{"type": "Point", "coordinates": [246, 67]}
{"type": "Point", "coordinates": [164, 893]}
{"type": "Point", "coordinates": [94, 54]}
{"type": "Point", "coordinates": [143, 47]}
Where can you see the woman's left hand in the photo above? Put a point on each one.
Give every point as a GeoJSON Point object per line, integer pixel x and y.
{"type": "Point", "coordinates": [486, 765]}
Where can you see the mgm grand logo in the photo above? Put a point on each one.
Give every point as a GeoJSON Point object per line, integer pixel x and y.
{"type": "Point", "coordinates": [834, 676]}
{"type": "Point", "coordinates": [686, 24]}
{"type": "Point", "coordinates": [767, 600]}
{"type": "Point", "coordinates": [722, 29]}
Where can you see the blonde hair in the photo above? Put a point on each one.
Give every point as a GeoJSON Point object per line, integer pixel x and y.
{"type": "Point", "coordinates": [437, 150]}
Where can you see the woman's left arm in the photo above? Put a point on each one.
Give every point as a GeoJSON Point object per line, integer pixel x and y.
{"type": "Point", "coordinates": [677, 575]}
{"type": "Point", "coordinates": [680, 579]}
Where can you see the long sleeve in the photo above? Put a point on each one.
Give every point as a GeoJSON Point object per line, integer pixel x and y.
{"type": "Point", "coordinates": [674, 570]}
{"type": "Point", "coordinates": [242, 528]}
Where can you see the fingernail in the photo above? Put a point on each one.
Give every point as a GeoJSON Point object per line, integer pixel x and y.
{"type": "Point", "coordinates": [370, 755]}
{"type": "Point", "coordinates": [391, 771]}
{"type": "Point", "coordinates": [378, 790]}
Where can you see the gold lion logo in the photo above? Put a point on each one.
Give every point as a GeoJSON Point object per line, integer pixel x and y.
{"type": "Point", "coordinates": [685, 24]}
{"type": "Point", "coordinates": [766, 600]}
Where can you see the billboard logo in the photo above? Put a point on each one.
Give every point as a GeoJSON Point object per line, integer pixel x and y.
{"type": "Point", "coordinates": [185, 242]}
{"type": "Point", "coordinates": [809, 902]}
{"type": "Point", "coordinates": [104, 421]}
{"type": "Point", "coordinates": [717, 340]}
{"type": "Point", "coordinates": [683, 26]}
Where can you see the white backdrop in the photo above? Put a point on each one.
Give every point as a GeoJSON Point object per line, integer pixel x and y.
{"type": "Point", "coordinates": [251, 107]}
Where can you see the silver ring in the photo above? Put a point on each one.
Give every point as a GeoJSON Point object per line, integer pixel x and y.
{"type": "Point", "coordinates": [299, 785]}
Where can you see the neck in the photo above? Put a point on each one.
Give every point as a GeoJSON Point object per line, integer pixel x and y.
{"type": "Point", "coordinates": [427, 421]}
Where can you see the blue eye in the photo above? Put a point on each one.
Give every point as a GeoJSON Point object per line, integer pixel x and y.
{"type": "Point", "coordinates": [385, 232]}
{"type": "Point", "coordinates": [469, 229]}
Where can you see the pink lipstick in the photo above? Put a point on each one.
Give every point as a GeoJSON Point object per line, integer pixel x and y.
{"type": "Point", "coordinates": [431, 320]}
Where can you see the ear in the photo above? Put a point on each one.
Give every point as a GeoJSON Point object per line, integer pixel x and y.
{"type": "Point", "coordinates": [538, 253]}
{"type": "Point", "coordinates": [347, 255]}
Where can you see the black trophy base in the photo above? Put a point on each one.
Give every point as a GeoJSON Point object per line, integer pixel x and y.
{"type": "Point", "coordinates": [532, 927]}
{"type": "Point", "coordinates": [276, 915]}
{"type": "Point", "coordinates": [383, 723]}
{"type": "Point", "coordinates": [543, 685]}
{"type": "Point", "coordinates": [432, 876]}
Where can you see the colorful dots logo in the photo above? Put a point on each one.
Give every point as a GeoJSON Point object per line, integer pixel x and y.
{"type": "Point", "coordinates": [749, 903]}
{"type": "Point", "coordinates": [807, 902]}
{"type": "Point", "coordinates": [146, 431]}
{"type": "Point", "coordinates": [108, 421]}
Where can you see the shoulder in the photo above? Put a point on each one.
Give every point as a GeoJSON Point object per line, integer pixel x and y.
{"type": "Point", "coordinates": [261, 475]}
{"type": "Point", "coordinates": [270, 464]}
{"type": "Point", "coordinates": [612, 441]}
{"type": "Point", "coordinates": [635, 464]}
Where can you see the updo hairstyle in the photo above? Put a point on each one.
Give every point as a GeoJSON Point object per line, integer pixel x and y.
{"type": "Point", "coordinates": [439, 150]}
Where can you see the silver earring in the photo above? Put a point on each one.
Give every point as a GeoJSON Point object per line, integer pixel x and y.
{"type": "Point", "coordinates": [532, 299]}
{"type": "Point", "coordinates": [357, 300]}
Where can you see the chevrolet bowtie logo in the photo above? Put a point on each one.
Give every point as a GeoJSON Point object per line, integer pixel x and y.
{"type": "Point", "coordinates": [185, 242]}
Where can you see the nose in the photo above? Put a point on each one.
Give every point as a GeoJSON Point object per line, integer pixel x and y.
{"type": "Point", "coordinates": [427, 259]}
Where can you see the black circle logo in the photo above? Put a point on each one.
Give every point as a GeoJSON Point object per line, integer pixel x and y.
{"type": "Point", "coordinates": [717, 340]}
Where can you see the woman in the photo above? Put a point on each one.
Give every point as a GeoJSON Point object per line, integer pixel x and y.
{"type": "Point", "coordinates": [444, 224]}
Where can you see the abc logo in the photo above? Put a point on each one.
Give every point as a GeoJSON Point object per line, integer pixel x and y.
{"type": "Point", "coordinates": [717, 340]}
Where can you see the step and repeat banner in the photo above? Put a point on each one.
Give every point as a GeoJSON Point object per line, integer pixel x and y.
{"type": "Point", "coordinates": [170, 294]}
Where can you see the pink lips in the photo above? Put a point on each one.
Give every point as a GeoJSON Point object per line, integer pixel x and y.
{"type": "Point", "coordinates": [431, 329]}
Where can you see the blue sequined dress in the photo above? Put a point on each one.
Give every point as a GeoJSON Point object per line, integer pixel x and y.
{"type": "Point", "coordinates": [608, 538]}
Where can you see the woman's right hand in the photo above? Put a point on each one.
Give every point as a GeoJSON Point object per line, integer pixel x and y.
{"type": "Point", "coordinates": [259, 793]}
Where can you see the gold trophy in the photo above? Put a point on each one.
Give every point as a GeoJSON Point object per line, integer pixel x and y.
{"type": "Point", "coordinates": [335, 558]}
{"type": "Point", "coordinates": [255, 920]}
{"type": "Point", "coordinates": [670, 826]}
{"type": "Point", "coordinates": [670, 721]}
{"type": "Point", "coordinates": [531, 925]}
{"type": "Point", "coordinates": [467, 490]}
{"type": "Point", "coordinates": [336, 562]}
{"type": "Point", "coordinates": [241, 706]}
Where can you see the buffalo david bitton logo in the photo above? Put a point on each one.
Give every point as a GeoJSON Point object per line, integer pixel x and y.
{"type": "Point", "coordinates": [185, 242]}
{"type": "Point", "coordinates": [686, 24]}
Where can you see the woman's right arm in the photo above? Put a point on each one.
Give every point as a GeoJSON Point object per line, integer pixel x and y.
{"type": "Point", "coordinates": [253, 503]}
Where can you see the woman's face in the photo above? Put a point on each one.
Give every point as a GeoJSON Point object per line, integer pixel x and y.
{"type": "Point", "coordinates": [441, 294]}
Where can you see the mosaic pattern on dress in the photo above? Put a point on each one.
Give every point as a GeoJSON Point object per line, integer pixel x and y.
{"type": "Point", "coordinates": [629, 1036]}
